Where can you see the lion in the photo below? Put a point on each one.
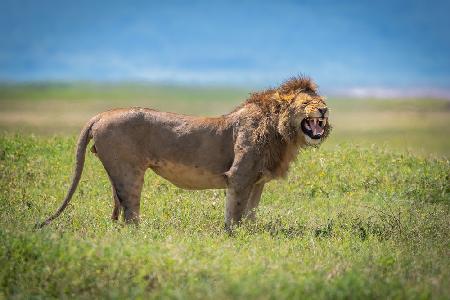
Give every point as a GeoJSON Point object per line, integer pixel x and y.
{"type": "Point", "coordinates": [240, 151]}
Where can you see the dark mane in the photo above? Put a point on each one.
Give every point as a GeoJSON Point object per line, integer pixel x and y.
{"type": "Point", "coordinates": [291, 87]}
{"type": "Point", "coordinates": [298, 84]}
{"type": "Point", "coordinates": [268, 117]}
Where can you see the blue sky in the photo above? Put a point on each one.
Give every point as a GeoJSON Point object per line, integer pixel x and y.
{"type": "Point", "coordinates": [338, 43]}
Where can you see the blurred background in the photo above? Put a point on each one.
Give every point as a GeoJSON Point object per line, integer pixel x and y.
{"type": "Point", "coordinates": [384, 65]}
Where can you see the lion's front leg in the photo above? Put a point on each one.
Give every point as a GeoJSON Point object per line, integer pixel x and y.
{"type": "Point", "coordinates": [236, 205]}
{"type": "Point", "coordinates": [241, 179]}
{"type": "Point", "coordinates": [253, 201]}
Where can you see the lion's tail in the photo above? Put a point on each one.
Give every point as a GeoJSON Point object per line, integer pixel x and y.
{"type": "Point", "coordinates": [83, 140]}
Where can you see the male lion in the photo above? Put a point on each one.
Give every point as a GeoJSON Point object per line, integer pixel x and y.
{"type": "Point", "coordinates": [240, 151]}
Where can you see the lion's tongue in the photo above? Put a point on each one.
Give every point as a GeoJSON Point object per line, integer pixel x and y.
{"type": "Point", "coordinates": [316, 129]}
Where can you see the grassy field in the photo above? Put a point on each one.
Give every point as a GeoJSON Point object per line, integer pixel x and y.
{"type": "Point", "coordinates": [365, 216]}
{"type": "Point", "coordinates": [420, 126]}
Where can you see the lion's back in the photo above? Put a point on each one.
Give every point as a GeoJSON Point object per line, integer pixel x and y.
{"type": "Point", "coordinates": [192, 152]}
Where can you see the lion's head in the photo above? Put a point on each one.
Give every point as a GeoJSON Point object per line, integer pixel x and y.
{"type": "Point", "coordinates": [295, 111]}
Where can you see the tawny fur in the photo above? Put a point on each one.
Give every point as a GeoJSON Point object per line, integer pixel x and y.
{"type": "Point", "coordinates": [240, 151]}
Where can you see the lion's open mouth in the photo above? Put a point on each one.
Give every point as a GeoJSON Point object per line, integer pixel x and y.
{"type": "Point", "coordinates": [314, 127]}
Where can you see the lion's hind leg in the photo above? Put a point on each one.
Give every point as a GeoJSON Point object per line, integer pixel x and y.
{"type": "Point", "coordinates": [116, 202]}
{"type": "Point", "coordinates": [117, 206]}
{"type": "Point", "coordinates": [126, 180]}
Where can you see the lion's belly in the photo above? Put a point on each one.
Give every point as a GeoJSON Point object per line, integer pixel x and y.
{"type": "Point", "coordinates": [189, 177]}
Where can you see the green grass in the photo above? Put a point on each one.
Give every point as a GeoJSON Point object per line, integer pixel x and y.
{"type": "Point", "coordinates": [420, 126]}
{"type": "Point", "coordinates": [366, 216]}
{"type": "Point", "coordinates": [86, 91]}
{"type": "Point", "coordinates": [349, 222]}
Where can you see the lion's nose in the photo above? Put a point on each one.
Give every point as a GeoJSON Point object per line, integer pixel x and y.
{"type": "Point", "coordinates": [323, 111]}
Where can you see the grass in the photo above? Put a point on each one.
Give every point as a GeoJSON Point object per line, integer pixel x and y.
{"type": "Point", "coordinates": [361, 217]}
{"type": "Point", "coordinates": [416, 125]}
{"type": "Point", "coordinates": [348, 223]}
